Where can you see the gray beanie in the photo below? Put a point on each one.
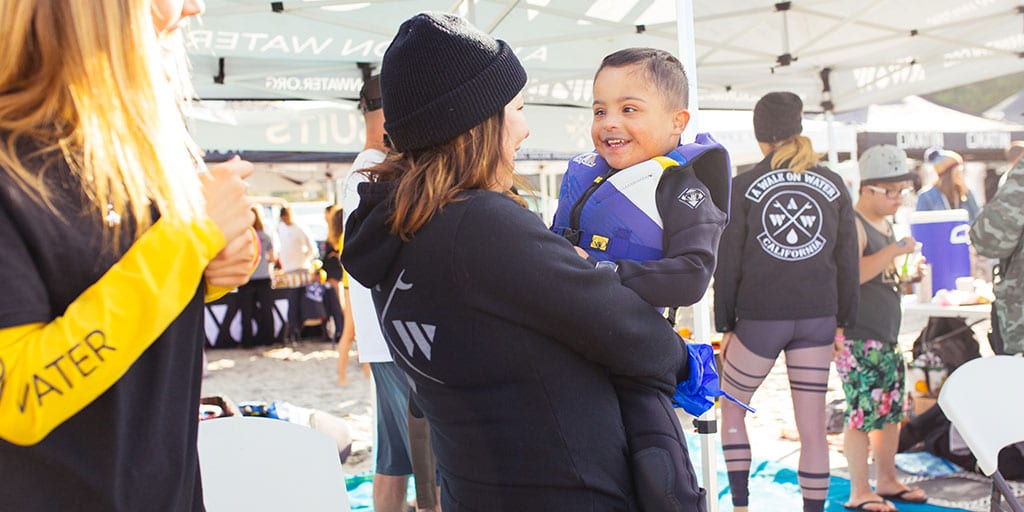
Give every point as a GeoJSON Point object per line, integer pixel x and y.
{"type": "Point", "coordinates": [778, 116]}
{"type": "Point", "coordinates": [883, 163]}
{"type": "Point", "coordinates": [441, 76]}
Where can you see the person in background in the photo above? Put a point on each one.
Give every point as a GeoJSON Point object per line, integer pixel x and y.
{"type": "Point", "coordinates": [255, 298]}
{"type": "Point", "coordinates": [786, 281]}
{"type": "Point", "coordinates": [392, 448]}
{"type": "Point", "coordinates": [113, 235]}
{"type": "Point", "coordinates": [997, 233]}
{"type": "Point", "coordinates": [511, 367]}
{"type": "Point", "coordinates": [950, 190]}
{"type": "Point", "coordinates": [331, 266]}
{"type": "Point", "coordinates": [1013, 154]}
{"type": "Point", "coordinates": [869, 361]}
{"type": "Point", "coordinates": [337, 289]}
{"type": "Point", "coordinates": [295, 252]}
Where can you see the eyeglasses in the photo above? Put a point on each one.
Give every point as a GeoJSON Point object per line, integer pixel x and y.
{"type": "Point", "coordinates": [889, 193]}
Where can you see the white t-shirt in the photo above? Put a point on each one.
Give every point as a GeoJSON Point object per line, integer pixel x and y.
{"type": "Point", "coordinates": [295, 247]}
{"type": "Point", "coordinates": [369, 340]}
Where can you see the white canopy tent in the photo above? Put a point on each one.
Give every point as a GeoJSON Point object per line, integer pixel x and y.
{"type": "Point", "coordinates": [916, 124]}
{"type": "Point", "coordinates": [873, 51]}
{"type": "Point", "coordinates": [1010, 109]}
{"type": "Point", "coordinates": [556, 132]}
{"type": "Point", "coordinates": [865, 52]}
{"type": "Point", "coordinates": [833, 53]}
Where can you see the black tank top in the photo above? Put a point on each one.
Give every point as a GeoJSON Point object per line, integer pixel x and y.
{"type": "Point", "coordinates": [878, 314]}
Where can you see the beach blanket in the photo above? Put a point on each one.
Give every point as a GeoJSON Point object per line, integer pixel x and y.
{"type": "Point", "coordinates": [775, 484]}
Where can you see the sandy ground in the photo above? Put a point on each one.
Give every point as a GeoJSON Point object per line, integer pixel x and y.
{"type": "Point", "coordinates": [304, 374]}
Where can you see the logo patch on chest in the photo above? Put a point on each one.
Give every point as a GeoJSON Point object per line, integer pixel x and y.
{"type": "Point", "coordinates": [692, 197]}
{"type": "Point", "coordinates": [587, 159]}
{"type": "Point", "coordinates": [792, 226]}
{"type": "Point", "coordinates": [599, 242]}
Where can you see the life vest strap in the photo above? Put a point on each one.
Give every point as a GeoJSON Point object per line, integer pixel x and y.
{"type": "Point", "coordinates": [608, 245]}
{"type": "Point", "coordinates": [572, 235]}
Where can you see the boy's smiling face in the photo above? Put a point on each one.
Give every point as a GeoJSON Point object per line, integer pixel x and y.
{"type": "Point", "coordinates": [632, 120]}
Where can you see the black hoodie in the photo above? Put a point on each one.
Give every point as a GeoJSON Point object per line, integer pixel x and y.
{"type": "Point", "coordinates": [509, 339]}
{"type": "Point", "coordinates": [790, 250]}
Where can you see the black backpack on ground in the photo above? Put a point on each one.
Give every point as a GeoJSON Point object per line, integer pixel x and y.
{"type": "Point", "coordinates": [949, 338]}
{"type": "Point", "coordinates": [953, 341]}
{"type": "Point", "coordinates": [929, 431]}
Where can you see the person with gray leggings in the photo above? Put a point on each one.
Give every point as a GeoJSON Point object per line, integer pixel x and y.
{"type": "Point", "coordinates": [787, 280]}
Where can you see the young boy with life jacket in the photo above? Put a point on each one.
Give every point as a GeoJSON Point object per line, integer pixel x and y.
{"type": "Point", "coordinates": [651, 210]}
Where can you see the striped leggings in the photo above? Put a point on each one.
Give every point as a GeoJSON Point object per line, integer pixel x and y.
{"type": "Point", "coordinates": [747, 360]}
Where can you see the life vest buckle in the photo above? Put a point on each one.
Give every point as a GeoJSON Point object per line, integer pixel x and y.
{"type": "Point", "coordinates": [572, 235]}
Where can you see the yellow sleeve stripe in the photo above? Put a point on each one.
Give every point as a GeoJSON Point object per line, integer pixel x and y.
{"type": "Point", "coordinates": [214, 292]}
{"type": "Point", "coordinates": [49, 372]}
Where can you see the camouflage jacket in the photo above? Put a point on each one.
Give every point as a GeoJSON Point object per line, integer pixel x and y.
{"type": "Point", "coordinates": [997, 233]}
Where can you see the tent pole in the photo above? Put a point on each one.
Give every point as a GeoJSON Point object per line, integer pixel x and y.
{"type": "Point", "coordinates": [686, 41]}
{"type": "Point", "coordinates": [833, 154]}
{"type": "Point", "coordinates": [829, 108]}
{"type": "Point", "coordinates": [707, 423]}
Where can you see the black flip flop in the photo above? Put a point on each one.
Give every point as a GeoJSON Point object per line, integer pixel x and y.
{"type": "Point", "coordinates": [901, 496]}
{"type": "Point", "coordinates": [864, 504]}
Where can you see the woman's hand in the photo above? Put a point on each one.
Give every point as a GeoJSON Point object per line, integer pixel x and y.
{"type": "Point", "coordinates": [226, 201]}
{"type": "Point", "coordinates": [233, 265]}
{"type": "Point", "coordinates": [839, 343]}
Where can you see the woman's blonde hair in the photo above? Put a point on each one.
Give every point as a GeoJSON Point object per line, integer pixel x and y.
{"type": "Point", "coordinates": [93, 84]}
{"type": "Point", "coordinates": [795, 153]}
{"type": "Point", "coordinates": [430, 178]}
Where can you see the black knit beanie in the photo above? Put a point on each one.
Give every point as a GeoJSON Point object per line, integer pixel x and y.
{"type": "Point", "coordinates": [441, 76]}
{"type": "Point", "coordinates": [778, 116]}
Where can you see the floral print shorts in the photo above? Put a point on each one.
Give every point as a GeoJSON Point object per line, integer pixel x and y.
{"type": "Point", "coordinates": [873, 375]}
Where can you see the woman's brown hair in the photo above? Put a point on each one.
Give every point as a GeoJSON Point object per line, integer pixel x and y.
{"type": "Point", "coordinates": [430, 178]}
{"type": "Point", "coordinates": [952, 185]}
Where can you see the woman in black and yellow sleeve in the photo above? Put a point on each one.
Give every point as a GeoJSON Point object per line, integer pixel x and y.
{"type": "Point", "coordinates": [108, 249]}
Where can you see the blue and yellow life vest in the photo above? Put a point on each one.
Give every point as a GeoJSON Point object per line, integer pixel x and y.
{"type": "Point", "coordinates": [613, 215]}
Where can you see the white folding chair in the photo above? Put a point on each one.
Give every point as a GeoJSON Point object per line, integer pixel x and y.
{"type": "Point", "coordinates": [984, 401]}
{"type": "Point", "coordinates": [262, 464]}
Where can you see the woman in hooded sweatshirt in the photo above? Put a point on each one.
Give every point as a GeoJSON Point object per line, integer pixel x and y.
{"type": "Point", "coordinates": [510, 340]}
{"type": "Point", "coordinates": [110, 239]}
{"type": "Point", "coordinates": [787, 280]}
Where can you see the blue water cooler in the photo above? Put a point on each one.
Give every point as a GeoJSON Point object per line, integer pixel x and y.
{"type": "Point", "coordinates": [944, 238]}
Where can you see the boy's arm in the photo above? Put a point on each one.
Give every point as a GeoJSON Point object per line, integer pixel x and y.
{"type": "Point", "coordinates": [692, 230]}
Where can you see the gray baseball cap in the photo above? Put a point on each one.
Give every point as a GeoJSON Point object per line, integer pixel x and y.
{"type": "Point", "coordinates": [883, 163]}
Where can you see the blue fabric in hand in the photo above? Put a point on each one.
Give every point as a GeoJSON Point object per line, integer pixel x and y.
{"type": "Point", "coordinates": [697, 393]}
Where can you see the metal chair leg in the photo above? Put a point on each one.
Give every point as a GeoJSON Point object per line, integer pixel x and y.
{"type": "Point", "coordinates": [1000, 483]}
{"type": "Point", "coordinates": [994, 505]}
